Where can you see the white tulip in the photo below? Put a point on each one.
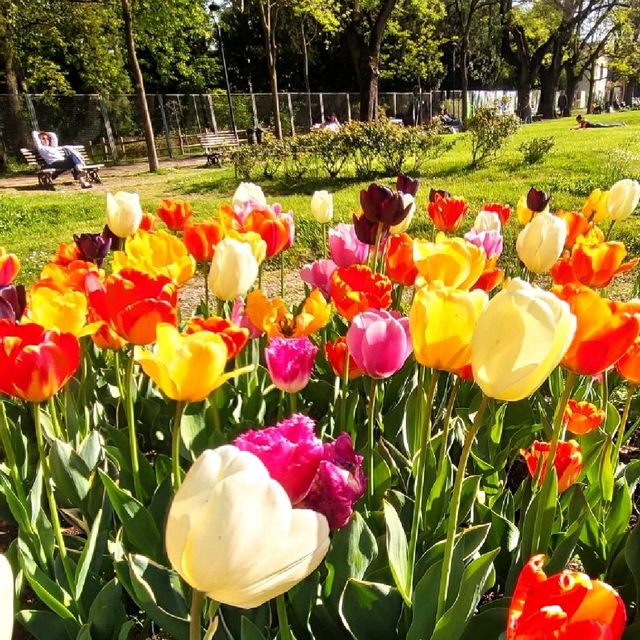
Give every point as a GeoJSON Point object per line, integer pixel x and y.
{"type": "Point", "coordinates": [487, 221]}
{"type": "Point", "coordinates": [247, 191]}
{"type": "Point", "coordinates": [124, 213]}
{"type": "Point", "coordinates": [233, 270]}
{"type": "Point", "coordinates": [408, 201]}
{"type": "Point", "coordinates": [623, 198]}
{"type": "Point", "coordinates": [322, 206]}
{"type": "Point", "coordinates": [233, 534]}
{"type": "Point", "coordinates": [6, 599]}
{"type": "Point", "coordinates": [541, 241]}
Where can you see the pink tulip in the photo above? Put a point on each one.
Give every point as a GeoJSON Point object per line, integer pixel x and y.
{"type": "Point", "coordinates": [379, 342]}
{"type": "Point", "coordinates": [318, 275]}
{"type": "Point", "coordinates": [290, 451]}
{"type": "Point", "coordinates": [344, 246]}
{"type": "Point", "coordinates": [240, 319]}
{"type": "Point", "coordinates": [339, 483]}
{"type": "Point", "coordinates": [290, 362]}
{"type": "Point", "coordinates": [489, 241]}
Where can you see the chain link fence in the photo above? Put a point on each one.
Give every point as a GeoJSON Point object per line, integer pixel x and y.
{"type": "Point", "coordinates": [110, 128]}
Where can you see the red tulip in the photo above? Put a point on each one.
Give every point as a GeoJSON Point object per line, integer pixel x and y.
{"type": "Point", "coordinates": [567, 461]}
{"type": "Point", "coordinates": [447, 212]}
{"type": "Point", "coordinates": [234, 337]}
{"type": "Point", "coordinates": [201, 238]}
{"type": "Point", "coordinates": [336, 352]}
{"type": "Point", "coordinates": [174, 214]}
{"type": "Point", "coordinates": [399, 265]}
{"type": "Point", "coordinates": [503, 210]}
{"type": "Point", "coordinates": [356, 288]}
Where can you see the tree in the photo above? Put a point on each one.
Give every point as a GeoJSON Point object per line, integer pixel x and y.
{"type": "Point", "coordinates": [624, 52]}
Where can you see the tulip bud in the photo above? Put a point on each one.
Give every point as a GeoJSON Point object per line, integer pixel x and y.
{"type": "Point", "coordinates": [567, 461]}
{"type": "Point", "coordinates": [6, 599]}
{"type": "Point", "coordinates": [408, 202]}
{"type": "Point", "coordinates": [322, 206]}
{"type": "Point", "coordinates": [248, 192]}
{"type": "Point", "coordinates": [13, 300]}
{"type": "Point", "coordinates": [318, 274]}
{"type": "Point", "coordinates": [290, 362]}
{"type": "Point", "coordinates": [487, 221]}
{"type": "Point", "coordinates": [345, 247]}
{"type": "Point", "coordinates": [380, 205]}
{"type": "Point", "coordinates": [124, 213]}
{"type": "Point", "coordinates": [537, 201]}
{"type": "Point", "coordinates": [623, 199]}
{"type": "Point", "coordinates": [93, 247]}
{"type": "Point", "coordinates": [541, 241]}
{"type": "Point", "coordinates": [9, 267]}
{"type": "Point", "coordinates": [233, 271]}
{"type": "Point", "coordinates": [407, 185]}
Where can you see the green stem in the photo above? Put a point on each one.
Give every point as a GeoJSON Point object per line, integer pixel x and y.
{"type": "Point", "coordinates": [606, 237]}
{"type": "Point", "coordinates": [260, 276]}
{"type": "Point", "coordinates": [345, 390]}
{"type": "Point", "coordinates": [293, 403]}
{"type": "Point", "coordinates": [447, 422]}
{"type": "Point", "coordinates": [282, 274]}
{"type": "Point", "coordinates": [195, 615]}
{"type": "Point", "coordinates": [283, 620]}
{"type": "Point", "coordinates": [175, 444]}
{"type": "Point", "coordinates": [371, 414]}
{"type": "Point", "coordinates": [55, 420]}
{"type": "Point", "coordinates": [5, 436]}
{"type": "Point", "coordinates": [324, 240]}
{"type": "Point", "coordinates": [623, 426]}
{"type": "Point", "coordinates": [131, 422]}
{"type": "Point", "coordinates": [424, 427]}
{"type": "Point", "coordinates": [455, 508]}
{"type": "Point", "coordinates": [399, 294]}
{"type": "Point", "coordinates": [220, 308]}
{"type": "Point", "coordinates": [206, 289]}
{"type": "Point", "coordinates": [376, 248]}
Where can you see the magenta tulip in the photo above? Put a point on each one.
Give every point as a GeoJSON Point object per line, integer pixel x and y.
{"type": "Point", "coordinates": [344, 246]}
{"type": "Point", "coordinates": [379, 342]}
{"type": "Point", "coordinates": [290, 362]}
{"type": "Point", "coordinates": [318, 275]}
{"type": "Point", "coordinates": [489, 241]}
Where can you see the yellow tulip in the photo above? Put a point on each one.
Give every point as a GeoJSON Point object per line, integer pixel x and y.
{"type": "Point", "coordinates": [6, 599]}
{"type": "Point", "coordinates": [186, 367]}
{"type": "Point", "coordinates": [520, 338]}
{"type": "Point", "coordinates": [526, 215]}
{"type": "Point", "coordinates": [452, 261]}
{"type": "Point", "coordinates": [253, 239]}
{"type": "Point", "coordinates": [442, 321]}
{"type": "Point", "coordinates": [595, 206]}
{"type": "Point", "coordinates": [541, 241]}
{"type": "Point", "coordinates": [64, 311]}
{"type": "Point", "coordinates": [156, 253]}
{"type": "Point", "coordinates": [233, 534]}
{"type": "Point", "coordinates": [315, 314]}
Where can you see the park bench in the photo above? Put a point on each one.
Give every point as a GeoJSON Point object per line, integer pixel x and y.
{"type": "Point", "coordinates": [46, 175]}
{"type": "Point", "coordinates": [215, 145]}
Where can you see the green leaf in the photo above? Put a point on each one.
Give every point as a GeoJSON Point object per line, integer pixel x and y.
{"type": "Point", "coordinates": [487, 625]}
{"type": "Point", "coordinates": [249, 631]}
{"type": "Point", "coordinates": [397, 552]}
{"type": "Point", "coordinates": [84, 564]}
{"type": "Point", "coordinates": [91, 449]}
{"type": "Point", "coordinates": [370, 610]}
{"type": "Point", "coordinates": [632, 556]}
{"type": "Point", "coordinates": [425, 603]}
{"type": "Point", "coordinates": [632, 632]}
{"type": "Point", "coordinates": [107, 613]}
{"type": "Point", "coordinates": [565, 549]}
{"type": "Point", "coordinates": [470, 486]}
{"type": "Point", "coordinates": [45, 625]}
{"type": "Point", "coordinates": [617, 521]}
{"type": "Point", "coordinates": [125, 630]}
{"type": "Point", "coordinates": [606, 479]}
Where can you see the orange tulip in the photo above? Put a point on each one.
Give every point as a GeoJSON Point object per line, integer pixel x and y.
{"type": "Point", "coordinates": [491, 277]}
{"type": "Point", "coordinates": [582, 417]}
{"type": "Point", "coordinates": [447, 212]}
{"type": "Point", "coordinates": [105, 337]}
{"type": "Point", "coordinates": [604, 331]}
{"type": "Point", "coordinates": [201, 238]}
{"type": "Point", "coordinates": [399, 265]}
{"type": "Point", "coordinates": [336, 352]}
{"type": "Point", "coordinates": [274, 227]}
{"type": "Point", "coordinates": [503, 210]}
{"type": "Point", "coordinates": [577, 225]}
{"type": "Point", "coordinates": [235, 338]}
{"type": "Point", "coordinates": [67, 252]}
{"type": "Point", "coordinates": [174, 213]}
{"type": "Point", "coordinates": [565, 606]}
{"type": "Point", "coordinates": [148, 221]}
{"type": "Point", "coordinates": [35, 363]}
{"type": "Point", "coordinates": [133, 303]}
{"type": "Point", "coordinates": [629, 365]}
{"type": "Point", "coordinates": [356, 288]}
{"type": "Point", "coordinates": [69, 276]}
{"type": "Point", "coordinates": [567, 461]}
{"type": "Point", "coordinates": [594, 265]}
{"type": "Point", "coordinates": [9, 267]}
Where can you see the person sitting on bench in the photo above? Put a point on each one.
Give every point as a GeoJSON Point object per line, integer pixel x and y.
{"type": "Point", "coordinates": [63, 158]}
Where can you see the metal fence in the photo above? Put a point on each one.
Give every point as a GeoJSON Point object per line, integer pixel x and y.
{"type": "Point", "coordinates": [110, 128]}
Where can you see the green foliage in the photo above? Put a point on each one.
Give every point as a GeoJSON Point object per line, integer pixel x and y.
{"type": "Point", "coordinates": [489, 131]}
{"type": "Point", "coordinates": [536, 149]}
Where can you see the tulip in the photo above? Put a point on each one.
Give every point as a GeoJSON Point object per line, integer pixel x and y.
{"type": "Point", "coordinates": [257, 245]}
{"type": "Point", "coordinates": [629, 364]}
{"type": "Point", "coordinates": [68, 251]}
{"type": "Point", "coordinates": [487, 221]}
{"type": "Point", "coordinates": [407, 185]}
{"type": "Point", "coordinates": [604, 331]}
{"type": "Point", "coordinates": [290, 362]}
{"type": "Point", "coordinates": [433, 193]}
{"type": "Point", "coordinates": [158, 253]}
{"type": "Point", "coordinates": [381, 206]}
{"type": "Point", "coordinates": [452, 261]}
{"type": "Point", "coordinates": [623, 198]}
{"type": "Point", "coordinates": [273, 226]}
{"type": "Point", "coordinates": [148, 221]}
{"type": "Point", "coordinates": [489, 241]}
{"type": "Point", "coordinates": [234, 337]}
{"type": "Point", "coordinates": [13, 301]}
{"type": "Point", "coordinates": [519, 339]}
{"type": "Point", "coordinates": [566, 606]}
{"type": "Point", "coordinates": [9, 267]}
{"type": "Point", "coordinates": [356, 288]}
{"type": "Point", "coordinates": [367, 231]}
{"type": "Point", "coordinates": [541, 241]}
{"type": "Point", "coordinates": [201, 238]}
{"type": "Point", "coordinates": [35, 363]}
{"type": "Point", "coordinates": [104, 337]}
{"type": "Point", "coordinates": [503, 210]}
{"type": "Point", "coordinates": [408, 201]}
{"type": "Point", "coordinates": [345, 247]}
{"type": "Point", "coordinates": [248, 192]}
{"type": "Point", "coordinates": [322, 206]}
{"type": "Point", "coordinates": [447, 212]}
{"type": "Point", "coordinates": [336, 353]}
{"type": "Point", "coordinates": [379, 342]}
{"type": "Point", "coordinates": [399, 265]}
{"type": "Point", "coordinates": [69, 277]}
{"type": "Point", "coordinates": [537, 201]}
{"type": "Point", "coordinates": [133, 303]}
{"type": "Point", "coordinates": [6, 599]}
{"type": "Point", "coordinates": [174, 214]}
{"type": "Point", "coordinates": [124, 213]}
{"type": "Point", "coordinates": [240, 318]}
{"type": "Point", "coordinates": [64, 311]}
{"type": "Point", "coordinates": [567, 461]}
{"type": "Point", "coordinates": [318, 274]}
{"type": "Point", "coordinates": [232, 533]}
{"type": "Point", "coordinates": [577, 226]}
{"type": "Point", "coordinates": [93, 247]}
{"type": "Point", "coordinates": [290, 451]}
{"type": "Point", "coordinates": [442, 322]}
{"type": "Point", "coordinates": [233, 271]}
{"type": "Point", "coordinates": [582, 417]}
{"type": "Point", "coordinates": [595, 206]}
{"type": "Point", "coordinates": [490, 278]}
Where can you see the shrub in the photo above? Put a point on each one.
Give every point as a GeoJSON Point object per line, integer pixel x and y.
{"type": "Point", "coordinates": [330, 149]}
{"type": "Point", "coordinates": [489, 132]}
{"type": "Point", "coordinates": [536, 149]}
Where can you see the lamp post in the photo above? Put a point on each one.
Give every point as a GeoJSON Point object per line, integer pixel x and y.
{"type": "Point", "coordinates": [213, 7]}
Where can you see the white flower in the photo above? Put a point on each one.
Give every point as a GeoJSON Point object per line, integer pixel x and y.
{"type": "Point", "coordinates": [322, 206]}
{"type": "Point", "coordinates": [247, 191]}
{"type": "Point", "coordinates": [623, 199]}
{"type": "Point", "coordinates": [234, 269]}
{"type": "Point", "coordinates": [124, 213]}
{"type": "Point", "coordinates": [487, 221]}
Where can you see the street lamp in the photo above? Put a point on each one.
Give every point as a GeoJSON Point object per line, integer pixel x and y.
{"type": "Point", "coordinates": [213, 7]}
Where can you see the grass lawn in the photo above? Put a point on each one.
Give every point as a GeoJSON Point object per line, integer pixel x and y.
{"type": "Point", "coordinates": [32, 223]}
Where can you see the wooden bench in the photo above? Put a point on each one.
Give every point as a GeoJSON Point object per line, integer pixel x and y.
{"type": "Point", "coordinates": [215, 145]}
{"type": "Point", "coordinates": [46, 175]}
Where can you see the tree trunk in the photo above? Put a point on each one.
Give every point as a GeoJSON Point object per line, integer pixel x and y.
{"type": "Point", "coordinates": [464, 80]}
{"type": "Point", "coordinates": [629, 91]}
{"type": "Point", "coordinates": [268, 17]}
{"type": "Point", "coordinates": [572, 83]}
{"type": "Point", "coordinates": [273, 78]}
{"type": "Point", "coordinates": [524, 92]}
{"type": "Point", "coordinates": [592, 83]}
{"type": "Point", "coordinates": [548, 84]}
{"type": "Point", "coordinates": [138, 83]}
{"type": "Point", "coordinates": [307, 84]}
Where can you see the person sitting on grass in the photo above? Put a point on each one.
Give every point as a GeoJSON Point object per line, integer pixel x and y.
{"type": "Point", "coordinates": [62, 158]}
{"type": "Point", "coordinates": [583, 123]}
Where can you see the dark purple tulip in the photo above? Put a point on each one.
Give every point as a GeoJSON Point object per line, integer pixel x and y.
{"type": "Point", "coordinates": [407, 184]}
{"type": "Point", "coordinates": [93, 247]}
{"type": "Point", "coordinates": [537, 200]}
{"type": "Point", "coordinates": [13, 300]}
{"type": "Point", "coordinates": [116, 242]}
{"type": "Point", "coordinates": [366, 230]}
{"type": "Point", "coordinates": [440, 192]}
{"type": "Point", "coordinates": [380, 204]}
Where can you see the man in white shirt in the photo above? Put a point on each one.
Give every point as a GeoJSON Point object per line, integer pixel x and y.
{"type": "Point", "coordinates": [63, 158]}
